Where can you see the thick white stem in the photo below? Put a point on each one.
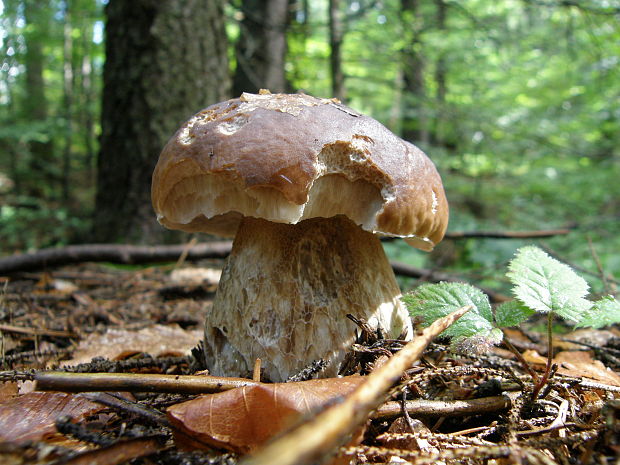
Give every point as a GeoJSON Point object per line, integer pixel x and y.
{"type": "Point", "coordinates": [285, 292]}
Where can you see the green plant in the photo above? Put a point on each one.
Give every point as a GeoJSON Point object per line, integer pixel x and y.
{"type": "Point", "coordinates": [541, 284]}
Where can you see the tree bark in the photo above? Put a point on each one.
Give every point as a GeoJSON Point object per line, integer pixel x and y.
{"type": "Point", "coordinates": [164, 61]}
{"type": "Point", "coordinates": [261, 47]}
{"type": "Point", "coordinates": [336, 35]}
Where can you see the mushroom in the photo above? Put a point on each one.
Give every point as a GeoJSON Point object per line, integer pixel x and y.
{"type": "Point", "coordinates": [305, 186]}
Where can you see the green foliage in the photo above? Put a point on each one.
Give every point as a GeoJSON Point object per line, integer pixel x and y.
{"type": "Point", "coordinates": [524, 127]}
{"type": "Point", "coordinates": [30, 225]}
{"type": "Point", "coordinates": [543, 284]}
{"type": "Point", "coordinates": [604, 312]}
{"type": "Point", "coordinates": [434, 301]}
{"type": "Point", "coordinates": [540, 284]}
{"type": "Point", "coordinates": [512, 313]}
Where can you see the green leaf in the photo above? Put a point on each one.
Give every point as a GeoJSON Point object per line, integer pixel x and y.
{"type": "Point", "coordinates": [433, 301]}
{"type": "Point", "coordinates": [544, 284]}
{"type": "Point", "coordinates": [604, 312]}
{"type": "Point", "coordinates": [512, 313]}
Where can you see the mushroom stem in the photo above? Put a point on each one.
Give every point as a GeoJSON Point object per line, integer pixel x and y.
{"type": "Point", "coordinates": [285, 292]}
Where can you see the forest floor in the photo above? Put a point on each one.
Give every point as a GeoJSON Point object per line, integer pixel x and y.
{"type": "Point", "coordinates": [447, 408]}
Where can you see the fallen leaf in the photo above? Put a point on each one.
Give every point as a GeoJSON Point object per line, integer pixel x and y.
{"type": "Point", "coordinates": [597, 337]}
{"type": "Point", "coordinates": [33, 416]}
{"type": "Point", "coordinates": [120, 452]}
{"type": "Point", "coordinates": [154, 340]}
{"type": "Point", "coordinates": [8, 390]}
{"type": "Point", "coordinates": [578, 364]}
{"type": "Point", "coordinates": [195, 276]}
{"type": "Point", "coordinates": [581, 364]}
{"type": "Point", "coordinates": [242, 419]}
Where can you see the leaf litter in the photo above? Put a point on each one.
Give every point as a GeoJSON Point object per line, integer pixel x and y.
{"type": "Point", "coordinates": [91, 318]}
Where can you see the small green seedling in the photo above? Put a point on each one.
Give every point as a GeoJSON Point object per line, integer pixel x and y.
{"type": "Point", "coordinates": [541, 284]}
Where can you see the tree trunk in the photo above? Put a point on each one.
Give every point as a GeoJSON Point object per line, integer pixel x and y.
{"type": "Point", "coordinates": [414, 114]}
{"type": "Point", "coordinates": [261, 47]}
{"type": "Point", "coordinates": [440, 80]}
{"type": "Point", "coordinates": [68, 85]}
{"type": "Point", "coordinates": [164, 61]}
{"type": "Point", "coordinates": [42, 172]}
{"type": "Point", "coordinates": [336, 34]}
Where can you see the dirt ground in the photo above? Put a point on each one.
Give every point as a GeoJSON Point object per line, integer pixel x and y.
{"type": "Point", "coordinates": [447, 408]}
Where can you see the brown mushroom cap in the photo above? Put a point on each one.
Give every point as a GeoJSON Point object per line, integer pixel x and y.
{"type": "Point", "coordinates": [290, 157]}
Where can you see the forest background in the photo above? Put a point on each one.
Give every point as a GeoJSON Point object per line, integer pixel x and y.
{"type": "Point", "coordinates": [516, 101]}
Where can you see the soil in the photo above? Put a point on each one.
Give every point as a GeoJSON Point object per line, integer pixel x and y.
{"type": "Point", "coordinates": [96, 318]}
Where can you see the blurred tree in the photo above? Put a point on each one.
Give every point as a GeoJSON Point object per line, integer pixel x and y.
{"type": "Point", "coordinates": [415, 121]}
{"type": "Point", "coordinates": [164, 61]}
{"type": "Point", "coordinates": [336, 36]}
{"type": "Point", "coordinates": [42, 172]}
{"type": "Point", "coordinates": [68, 98]}
{"type": "Point", "coordinates": [261, 47]}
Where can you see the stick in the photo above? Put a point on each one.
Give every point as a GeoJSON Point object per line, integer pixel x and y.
{"type": "Point", "coordinates": [134, 254]}
{"type": "Point", "coordinates": [330, 428]}
{"type": "Point", "coordinates": [36, 331]}
{"type": "Point", "coordinates": [506, 234]}
{"type": "Point", "coordinates": [134, 382]}
{"type": "Point", "coordinates": [422, 407]}
{"type": "Point", "coordinates": [114, 253]}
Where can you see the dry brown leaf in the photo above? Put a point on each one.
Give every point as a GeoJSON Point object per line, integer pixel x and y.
{"type": "Point", "coordinates": [597, 337]}
{"type": "Point", "coordinates": [242, 419]}
{"type": "Point", "coordinates": [154, 340]}
{"type": "Point", "coordinates": [195, 276]}
{"type": "Point", "coordinates": [32, 416]}
{"type": "Point", "coordinates": [578, 364]}
{"type": "Point", "coordinates": [120, 452]}
{"type": "Point", "coordinates": [582, 364]}
{"type": "Point", "coordinates": [8, 390]}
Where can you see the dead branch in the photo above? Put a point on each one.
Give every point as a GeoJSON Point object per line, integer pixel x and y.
{"type": "Point", "coordinates": [135, 254]}
{"type": "Point", "coordinates": [36, 331]}
{"type": "Point", "coordinates": [431, 276]}
{"type": "Point", "coordinates": [330, 428]}
{"type": "Point", "coordinates": [132, 382]}
{"type": "Point", "coordinates": [507, 234]}
{"type": "Point", "coordinates": [129, 254]}
{"type": "Point", "coordinates": [135, 382]}
{"type": "Point", "coordinates": [423, 407]}
{"type": "Point", "coordinates": [114, 253]}
{"type": "Point", "coordinates": [119, 452]}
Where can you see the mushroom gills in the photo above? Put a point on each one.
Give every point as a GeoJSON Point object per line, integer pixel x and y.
{"type": "Point", "coordinates": [198, 199]}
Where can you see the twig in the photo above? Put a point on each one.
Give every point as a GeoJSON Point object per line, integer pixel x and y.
{"type": "Point", "coordinates": [36, 331]}
{"type": "Point", "coordinates": [404, 269]}
{"type": "Point", "coordinates": [192, 243]}
{"type": "Point", "coordinates": [422, 407]}
{"type": "Point", "coordinates": [119, 452]}
{"type": "Point", "coordinates": [114, 253]}
{"type": "Point", "coordinates": [431, 458]}
{"type": "Point", "coordinates": [506, 234]}
{"type": "Point", "coordinates": [330, 428]}
{"type": "Point", "coordinates": [594, 385]}
{"type": "Point", "coordinates": [124, 405]}
{"type": "Point", "coordinates": [599, 265]}
{"type": "Point", "coordinates": [135, 382]}
{"type": "Point", "coordinates": [524, 363]}
{"type": "Point", "coordinates": [581, 269]}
